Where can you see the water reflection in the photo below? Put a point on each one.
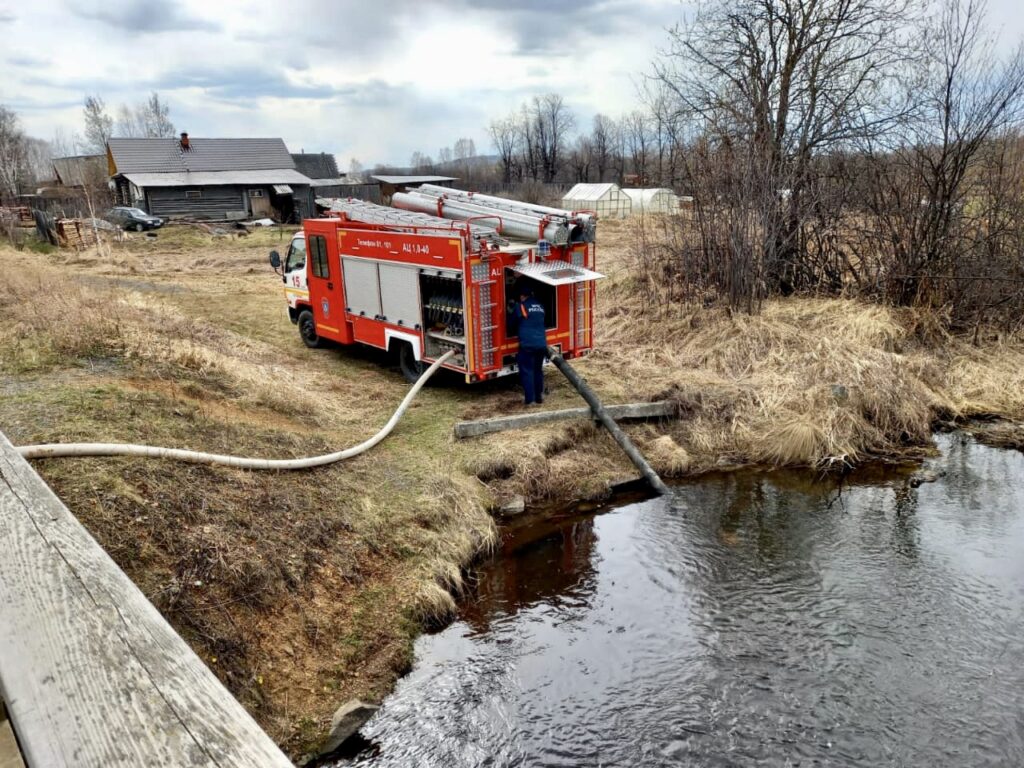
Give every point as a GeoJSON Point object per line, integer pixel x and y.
{"type": "Point", "coordinates": [557, 568]}
{"type": "Point", "coordinates": [754, 619]}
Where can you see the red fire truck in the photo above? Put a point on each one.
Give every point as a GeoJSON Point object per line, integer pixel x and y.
{"type": "Point", "coordinates": [420, 285]}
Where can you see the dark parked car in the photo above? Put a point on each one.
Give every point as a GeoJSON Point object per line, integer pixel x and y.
{"type": "Point", "coordinates": [133, 218]}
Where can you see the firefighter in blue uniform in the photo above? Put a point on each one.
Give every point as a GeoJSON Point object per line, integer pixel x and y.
{"type": "Point", "coordinates": [527, 317]}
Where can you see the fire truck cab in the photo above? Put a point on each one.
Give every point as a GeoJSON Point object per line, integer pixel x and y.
{"type": "Point", "coordinates": [422, 289]}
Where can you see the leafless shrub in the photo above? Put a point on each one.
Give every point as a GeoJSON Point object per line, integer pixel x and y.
{"type": "Point", "coordinates": [839, 147]}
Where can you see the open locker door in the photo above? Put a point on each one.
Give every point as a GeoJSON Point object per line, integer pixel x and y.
{"type": "Point", "coordinates": [556, 272]}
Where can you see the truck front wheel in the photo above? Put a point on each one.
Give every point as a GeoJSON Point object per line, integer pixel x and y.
{"type": "Point", "coordinates": [307, 330]}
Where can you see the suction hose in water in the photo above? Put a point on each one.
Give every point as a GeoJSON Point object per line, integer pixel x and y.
{"type": "Point", "coordinates": [55, 450]}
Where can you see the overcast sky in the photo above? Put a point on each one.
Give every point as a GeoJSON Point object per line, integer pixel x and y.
{"type": "Point", "coordinates": [371, 79]}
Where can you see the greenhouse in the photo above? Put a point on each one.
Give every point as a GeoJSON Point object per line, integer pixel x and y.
{"type": "Point", "coordinates": [606, 200]}
{"type": "Point", "coordinates": [656, 200]}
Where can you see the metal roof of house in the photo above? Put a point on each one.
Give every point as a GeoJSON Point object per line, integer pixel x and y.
{"type": "Point", "coordinates": [77, 170]}
{"type": "Point", "coordinates": [413, 179]}
{"type": "Point", "coordinates": [333, 182]}
{"type": "Point", "coordinates": [319, 165]}
{"type": "Point", "coordinates": [218, 178]}
{"type": "Point", "coordinates": [590, 191]}
{"type": "Point", "coordinates": [167, 156]}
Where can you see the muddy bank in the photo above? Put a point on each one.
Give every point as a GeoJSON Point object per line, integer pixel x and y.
{"type": "Point", "coordinates": [303, 591]}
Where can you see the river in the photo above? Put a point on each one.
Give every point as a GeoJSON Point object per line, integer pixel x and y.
{"type": "Point", "coordinates": [752, 619]}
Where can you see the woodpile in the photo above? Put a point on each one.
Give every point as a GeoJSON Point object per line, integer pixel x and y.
{"type": "Point", "coordinates": [74, 233]}
{"type": "Point", "coordinates": [21, 216]}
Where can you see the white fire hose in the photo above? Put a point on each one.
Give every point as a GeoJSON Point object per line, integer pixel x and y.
{"type": "Point", "coordinates": [55, 450]}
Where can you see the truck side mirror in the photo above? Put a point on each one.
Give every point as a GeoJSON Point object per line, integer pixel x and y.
{"type": "Point", "coordinates": [275, 260]}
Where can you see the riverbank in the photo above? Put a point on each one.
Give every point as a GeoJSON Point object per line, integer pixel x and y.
{"type": "Point", "coordinates": [302, 590]}
{"type": "Point", "coordinates": [782, 604]}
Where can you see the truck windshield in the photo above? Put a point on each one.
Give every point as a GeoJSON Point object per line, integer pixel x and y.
{"type": "Point", "coordinates": [296, 255]}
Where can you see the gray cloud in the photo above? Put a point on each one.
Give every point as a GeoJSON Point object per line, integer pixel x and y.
{"type": "Point", "coordinates": [560, 27]}
{"type": "Point", "coordinates": [340, 30]}
{"type": "Point", "coordinates": [242, 83]}
{"type": "Point", "coordinates": [27, 105]}
{"type": "Point", "coordinates": [26, 61]}
{"type": "Point", "coordinates": [6, 17]}
{"type": "Point", "coordinates": [142, 16]}
{"type": "Point", "coordinates": [241, 78]}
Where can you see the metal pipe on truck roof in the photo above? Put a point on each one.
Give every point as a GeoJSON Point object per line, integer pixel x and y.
{"type": "Point", "coordinates": [587, 220]}
{"type": "Point", "coordinates": [371, 213]}
{"type": "Point", "coordinates": [509, 224]}
{"type": "Point", "coordinates": [517, 225]}
{"type": "Point", "coordinates": [501, 202]}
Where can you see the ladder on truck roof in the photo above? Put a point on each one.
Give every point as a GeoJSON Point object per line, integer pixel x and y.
{"type": "Point", "coordinates": [371, 213]}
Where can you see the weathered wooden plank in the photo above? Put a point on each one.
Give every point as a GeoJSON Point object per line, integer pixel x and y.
{"type": "Point", "coordinates": [91, 672]}
{"type": "Point", "coordinates": [657, 410]}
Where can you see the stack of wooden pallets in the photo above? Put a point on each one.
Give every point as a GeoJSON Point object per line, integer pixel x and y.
{"type": "Point", "coordinates": [74, 233]}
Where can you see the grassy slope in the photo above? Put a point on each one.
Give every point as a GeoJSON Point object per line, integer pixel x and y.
{"type": "Point", "coordinates": [302, 590]}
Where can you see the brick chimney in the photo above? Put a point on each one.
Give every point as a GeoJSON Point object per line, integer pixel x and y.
{"type": "Point", "coordinates": [184, 142]}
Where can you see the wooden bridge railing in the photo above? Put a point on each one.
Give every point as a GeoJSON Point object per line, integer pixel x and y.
{"type": "Point", "coordinates": [91, 673]}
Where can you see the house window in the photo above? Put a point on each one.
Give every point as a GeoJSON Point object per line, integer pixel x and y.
{"type": "Point", "coordinates": [318, 255]}
{"type": "Point", "coordinates": [193, 194]}
{"type": "Point", "coordinates": [255, 193]}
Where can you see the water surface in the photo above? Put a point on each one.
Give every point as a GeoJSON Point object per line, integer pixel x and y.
{"type": "Point", "coordinates": [752, 619]}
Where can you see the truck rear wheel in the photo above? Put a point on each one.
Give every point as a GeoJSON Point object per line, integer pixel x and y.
{"type": "Point", "coordinates": [412, 368]}
{"type": "Point", "coordinates": [307, 330]}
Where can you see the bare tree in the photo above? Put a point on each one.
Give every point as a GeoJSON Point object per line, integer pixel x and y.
{"type": "Point", "coordinates": [13, 154]}
{"type": "Point", "coordinates": [64, 144]}
{"type": "Point", "coordinates": [421, 162]}
{"type": "Point", "coordinates": [148, 119]}
{"type": "Point", "coordinates": [581, 159]}
{"type": "Point", "coordinates": [504, 135]}
{"type": "Point", "coordinates": [933, 218]}
{"type": "Point", "coordinates": [464, 149]}
{"type": "Point", "coordinates": [529, 164]}
{"type": "Point", "coordinates": [618, 151]}
{"type": "Point", "coordinates": [553, 122]}
{"type": "Point", "coordinates": [99, 126]}
{"type": "Point", "coordinates": [128, 124]}
{"type": "Point", "coordinates": [774, 86]}
{"type": "Point", "coordinates": [639, 140]}
{"type": "Point", "coordinates": [668, 133]}
{"type": "Point", "coordinates": [602, 144]}
{"type": "Point", "coordinates": [155, 116]}
{"type": "Point", "coordinates": [38, 159]}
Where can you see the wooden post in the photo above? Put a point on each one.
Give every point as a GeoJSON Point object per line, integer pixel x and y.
{"type": "Point", "coordinates": [91, 673]}
{"type": "Point", "coordinates": [616, 432]}
{"type": "Point", "coordinates": [659, 410]}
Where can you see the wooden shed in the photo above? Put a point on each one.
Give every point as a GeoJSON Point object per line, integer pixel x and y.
{"type": "Point", "coordinates": [209, 178]}
{"type": "Point", "coordinates": [322, 169]}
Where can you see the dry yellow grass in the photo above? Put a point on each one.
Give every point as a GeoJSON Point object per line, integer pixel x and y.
{"type": "Point", "coordinates": [668, 458]}
{"type": "Point", "coordinates": [315, 584]}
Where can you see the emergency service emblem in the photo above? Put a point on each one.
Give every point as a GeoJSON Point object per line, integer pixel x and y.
{"type": "Point", "coordinates": [326, 307]}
